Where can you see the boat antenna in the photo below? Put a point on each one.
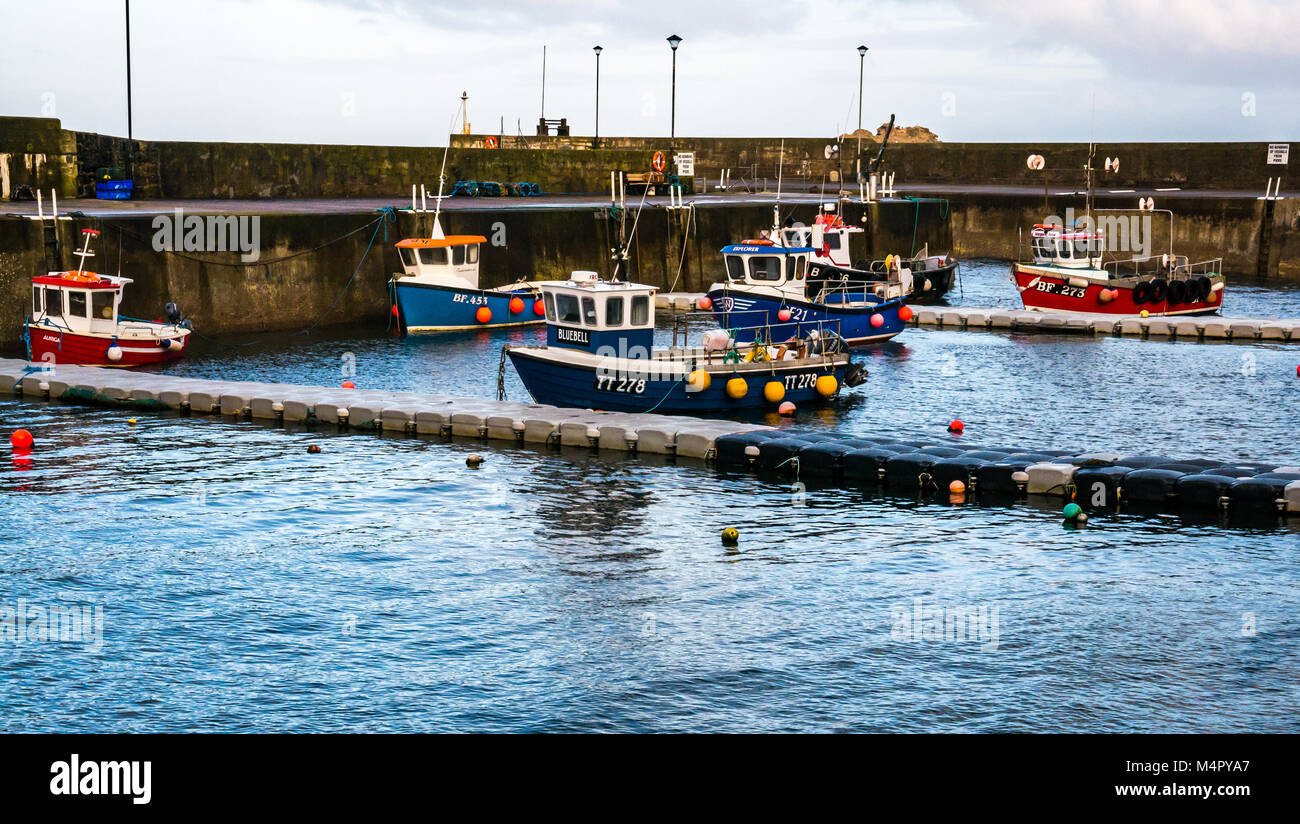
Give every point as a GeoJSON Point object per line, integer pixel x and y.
{"type": "Point", "coordinates": [780, 172]}
{"type": "Point", "coordinates": [437, 233]}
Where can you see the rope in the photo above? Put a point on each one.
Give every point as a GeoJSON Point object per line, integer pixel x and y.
{"type": "Point", "coordinates": [666, 394]}
{"type": "Point", "coordinates": [690, 221]}
{"type": "Point", "coordinates": [389, 215]}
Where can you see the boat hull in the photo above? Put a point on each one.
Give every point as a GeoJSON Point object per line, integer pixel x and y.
{"type": "Point", "coordinates": [736, 310]}
{"type": "Point", "coordinates": [424, 307]}
{"type": "Point", "coordinates": [940, 279]}
{"type": "Point", "coordinates": [554, 379]}
{"type": "Point", "coordinates": [77, 349]}
{"type": "Point", "coordinates": [1043, 290]}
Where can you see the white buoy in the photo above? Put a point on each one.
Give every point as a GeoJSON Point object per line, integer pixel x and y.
{"type": "Point", "coordinates": [114, 353]}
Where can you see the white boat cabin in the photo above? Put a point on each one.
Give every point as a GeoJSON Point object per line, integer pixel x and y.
{"type": "Point", "coordinates": [450, 261]}
{"type": "Point", "coordinates": [828, 237]}
{"type": "Point", "coordinates": [763, 263]}
{"type": "Point", "coordinates": [77, 301]}
{"type": "Point", "coordinates": [588, 313]}
{"type": "Point", "coordinates": [1054, 246]}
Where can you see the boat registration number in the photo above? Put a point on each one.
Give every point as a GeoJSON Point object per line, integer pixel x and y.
{"type": "Point", "coordinates": [805, 381]}
{"type": "Point", "coordinates": [1062, 289]}
{"type": "Point", "coordinates": [629, 386]}
{"type": "Point", "coordinates": [472, 300]}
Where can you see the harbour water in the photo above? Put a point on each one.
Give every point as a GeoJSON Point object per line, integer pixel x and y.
{"type": "Point", "coordinates": [381, 585]}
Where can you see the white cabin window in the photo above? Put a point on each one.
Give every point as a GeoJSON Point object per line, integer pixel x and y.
{"type": "Point", "coordinates": [765, 267]}
{"type": "Point", "coordinates": [549, 302]}
{"type": "Point", "coordinates": [566, 308]}
{"type": "Point", "coordinates": [101, 304]}
{"type": "Point", "coordinates": [735, 267]}
{"type": "Point", "coordinates": [433, 257]}
{"type": "Point", "coordinates": [614, 311]}
{"type": "Point", "coordinates": [408, 258]}
{"type": "Point", "coordinates": [471, 253]}
{"type": "Point", "coordinates": [640, 310]}
{"type": "Point", "coordinates": [77, 303]}
{"type": "Point", "coordinates": [53, 301]}
{"type": "Point", "coordinates": [794, 267]}
{"type": "Point", "coordinates": [589, 312]}
{"type": "Point", "coordinates": [36, 300]}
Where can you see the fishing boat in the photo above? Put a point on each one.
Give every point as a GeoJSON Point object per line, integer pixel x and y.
{"type": "Point", "coordinates": [600, 354]}
{"type": "Point", "coordinates": [438, 288]}
{"type": "Point", "coordinates": [770, 283]}
{"type": "Point", "coordinates": [75, 321]}
{"type": "Point", "coordinates": [1067, 273]}
{"type": "Point", "coordinates": [932, 275]}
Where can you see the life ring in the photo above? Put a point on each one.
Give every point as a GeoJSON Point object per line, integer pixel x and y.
{"type": "Point", "coordinates": [1159, 290]}
{"type": "Point", "coordinates": [490, 142]}
{"type": "Point", "coordinates": [1142, 292]}
{"type": "Point", "coordinates": [658, 162]}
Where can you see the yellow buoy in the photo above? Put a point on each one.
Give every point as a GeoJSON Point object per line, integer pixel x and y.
{"type": "Point", "coordinates": [774, 391]}
{"type": "Point", "coordinates": [1145, 313]}
{"type": "Point", "coordinates": [698, 381]}
{"type": "Point", "coordinates": [736, 388]}
{"type": "Point", "coordinates": [730, 536]}
{"type": "Point", "coordinates": [827, 386]}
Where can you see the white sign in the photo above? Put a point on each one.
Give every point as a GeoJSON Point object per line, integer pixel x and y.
{"type": "Point", "coordinates": [1278, 153]}
{"type": "Point", "coordinates": [685, 163]}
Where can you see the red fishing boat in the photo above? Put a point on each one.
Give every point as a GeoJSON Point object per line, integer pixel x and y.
{"type": "Point", "coordinates": [75, 321]}
{"type": "Point", "coordinates": [1068, 274]}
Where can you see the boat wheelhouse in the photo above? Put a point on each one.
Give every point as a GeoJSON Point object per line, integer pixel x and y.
{"type": "Point", "coordinates": [438, 288]}
{"type": "Point", "coordinates": [779, 287]}
{"type": "Point", "coordinates": [1069, 273]}
{"type": "Point", "coordinates": [600, 354]}
{"type": "Point", "coordinates": [75, 320]}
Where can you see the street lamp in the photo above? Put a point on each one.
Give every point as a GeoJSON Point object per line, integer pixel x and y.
{"type": "Point", "coordinates": [862, 59]}
{"type": "Point", "coordinates": [674, 41]}
{"type": "Point", "coordinates": [596, 143]}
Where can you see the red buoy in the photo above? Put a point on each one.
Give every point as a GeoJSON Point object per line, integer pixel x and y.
{"type": "Point", "coordinates": [956, 427]}
{"type": "Point", "coordinates": [516, 305]}
{"type": "Point", "coordinates": [705, 303]}
{"type": "Point", "coordinates": [904, 313]}
{"type": "Point", "coordinates": [483, 315]}
{"type": "Point", "coordinates": [877, 320]}
{"type": "Point", "coordinates": [349, 385]}
{"type": "Point", "coordinates": [539, 308]}
{"type": "Point", "coordinates": [783, 315]}
{"type": "Point", "coordinates": [21, 439]}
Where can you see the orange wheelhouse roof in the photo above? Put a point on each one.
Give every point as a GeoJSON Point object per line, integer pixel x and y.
{"type": "Point", "coordinates": [434, 243]}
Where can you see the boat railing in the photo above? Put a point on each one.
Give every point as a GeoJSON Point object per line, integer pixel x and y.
{"type": "Point", "coordinates": [1176, 267]}
{"type": "Point", "coordinates": [846, 289]}
{"type": "Point", "coordinates": [827, 331]}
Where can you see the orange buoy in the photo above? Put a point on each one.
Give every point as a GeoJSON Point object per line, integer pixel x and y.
{"type": "Point", "coordinates": [516, 305]}
{"type": "Point", "coordinates": [483, 315]}
{"type": "Point", "coordinates": [783, 315]}
{"type": "Point", "coordinates": [21, 439]}
{"type": "Point", "coordinates": [957, 487]}
{"type": "Point", "coordinates": [705, 303]}
{"type": "Point", "coordinates": [539, 308]}
{"type": "Point", "coordinates": [904, 313]}
{"type": "Point", "coordinates": [349, 385]}
{"type": "Point", "coordinates": [786, 410]}
{"type": "Point", "coordinates": [956, 427]}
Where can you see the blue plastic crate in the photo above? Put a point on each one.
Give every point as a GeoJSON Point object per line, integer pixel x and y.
{"type": "Point", "coordinates": [113, 189]}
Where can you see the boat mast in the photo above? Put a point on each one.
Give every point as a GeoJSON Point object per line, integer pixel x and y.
{"type": "Point", "coordinates": [776, 208]}
{"type": "Point", "coordinates": [437, 233]}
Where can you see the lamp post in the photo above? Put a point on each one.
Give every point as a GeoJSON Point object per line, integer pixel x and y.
{"type": "Point", "coordinates": [862, 59]}
{"type": "Point", "coordinates": [674, 41]}
{"type": "Point", "coordinates": [596, 142]}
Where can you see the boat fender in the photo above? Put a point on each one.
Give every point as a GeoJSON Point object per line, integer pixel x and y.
{"type": "Point", "coordinates": [1159, 290]}
{"type": "Point", "coordinates": [905, 313]}
{"type": "Point", "coordinates": [114, 352]}
{"type": "Point", "coordinates": [698, 381]}
{"type": "Point", "coordinates": [1142, 292]}
{"type": "Point", "coordinates": [516, 306]}
{"type": "Point", "coordinates": [539, 307]}
{"type": "Point", "coordinates": [827, 386]}
{"type": "Point", "coordinates": [483, 315]}
{"type": "Point", "coordinates": [774, 391]}
{"type": "Point", "coordinates": [877, 320]}
{"type": "Point", "coordinates": [737, 388]}
{"type": "Point", "coordinates": [1178, 291]}
{"type": "Point", "coordinates": [925, 285]}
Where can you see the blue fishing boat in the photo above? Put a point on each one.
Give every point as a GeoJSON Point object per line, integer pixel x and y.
{"type": "Point", "coordinates": [600, 354]}
{"type": "Point", "coordinates": [438, 288]}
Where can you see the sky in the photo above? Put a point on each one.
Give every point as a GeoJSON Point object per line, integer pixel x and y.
{"type": "Point", "coordinates": [392, 71]}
